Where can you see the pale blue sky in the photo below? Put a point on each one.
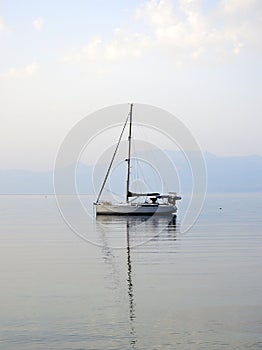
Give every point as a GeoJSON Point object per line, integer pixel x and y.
{"type": "Point", "coordinates": [60, 60]}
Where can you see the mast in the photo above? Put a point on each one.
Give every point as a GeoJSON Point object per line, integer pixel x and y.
{"type": "Point", "coordinates": [129, 152]}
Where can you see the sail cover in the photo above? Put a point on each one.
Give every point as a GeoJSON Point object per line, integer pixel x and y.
{"type": "Point", "coordinates": [151, 194]}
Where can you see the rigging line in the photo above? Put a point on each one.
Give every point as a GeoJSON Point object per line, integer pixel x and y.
{"type": "Point", "coordinates": [144, 137]}
{"type": "Point", "coordinates": [157, 159]}
{"type": "Point", "coordinates": [112, 192]}
{"type": "Point", "coordinates": [139, 170]}
{"type": "Point", "coordinates": [112, 160]}
{"type": "Point", "coordinates": [136, 175]}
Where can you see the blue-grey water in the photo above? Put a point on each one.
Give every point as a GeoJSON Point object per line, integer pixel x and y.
{"type": "Point", "coordinates": [162, 290]}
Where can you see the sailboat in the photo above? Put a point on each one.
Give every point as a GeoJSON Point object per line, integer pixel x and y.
{"type": "Point", "coordinates": [155, 203]}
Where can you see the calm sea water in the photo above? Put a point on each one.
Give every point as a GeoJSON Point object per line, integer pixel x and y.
{"type": "Point", "coordinates": [160, 290]}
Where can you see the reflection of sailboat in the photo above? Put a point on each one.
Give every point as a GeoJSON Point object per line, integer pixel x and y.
{"type": "Point", "coordinates": [107, 220]}
{"type": "Point", "coordinates": [155, 226]}
{"type": "Point", "coordinates": [155, 203]}
{"type": "Point", "coordinates": [130, 288]}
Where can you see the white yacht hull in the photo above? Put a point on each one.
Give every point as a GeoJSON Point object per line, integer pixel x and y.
{"type": "Point", "coordinates": [135, 209]}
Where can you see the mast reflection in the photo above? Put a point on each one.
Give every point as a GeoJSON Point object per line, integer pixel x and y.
{"type": "Point", "coordinates": [132, 315]}
{"type": "Point", "coordinates": [159, 228]}
{"type": "Point", "coordinates": [172, 226]}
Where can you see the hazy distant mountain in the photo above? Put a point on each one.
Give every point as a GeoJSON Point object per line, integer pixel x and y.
{"type": "Point", "coordinates": [25, 182]}
{"type": "Point", "coordinates": [225, 174]}
{"type": "Point", "coordinates": [234, 174]}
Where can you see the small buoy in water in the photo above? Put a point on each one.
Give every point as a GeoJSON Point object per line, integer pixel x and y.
{"type": "Point", "coordinates": [220, 208]}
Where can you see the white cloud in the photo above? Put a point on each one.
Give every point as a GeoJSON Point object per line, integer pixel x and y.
{"type": "Point", "coordinates": [157, 13]}
{"type": "Point", "coordinates": [126, 44]}
{"type": "Point", "coordinates": [3, 25]}
{"type": "Point", "coordinates": [183, 31]}
{"type": "Point", "coordinates": [123, 45]}
{"type": "Point", "coordinates": [26, 71]}
{"type": "Point", "coordinates": [38, 24]}
{"type": "Point", "coordinates": [30, 69]}
{"type": "Point", "coordinates": [234, 6]}
{"type": "Point", "coordinates": [192, 33]}
{"type": "Point", "coordinates": [90, 52]}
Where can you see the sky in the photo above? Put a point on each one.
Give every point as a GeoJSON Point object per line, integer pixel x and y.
{"type": "Point", "coordinates": [201, 60]}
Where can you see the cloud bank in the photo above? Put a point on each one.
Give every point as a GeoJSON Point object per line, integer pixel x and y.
{"type": "Point", "coordinates": [184, 31]}
{"type": "Point", "coordinates": [3, 24]}
{"type": "Point", "coordinates": [38, 24]}
{"type": "Point", "coordinates": [26, 71]}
